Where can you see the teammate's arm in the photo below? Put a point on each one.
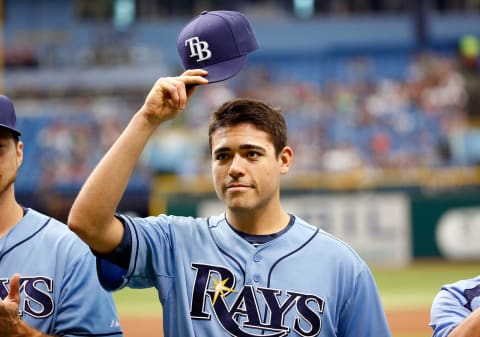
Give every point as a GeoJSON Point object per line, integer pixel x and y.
{"type": "Point", "coordinates": [92, 213]}
{"type": "Point", "coordinates": [470, 327]}
{"type": "Point", "coordinates": [10, 322]}
{"type": "Point", "coordinates": [452, 314]}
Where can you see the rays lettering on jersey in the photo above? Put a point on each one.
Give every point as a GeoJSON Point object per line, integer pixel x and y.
{"type": "Point", "coordinates": [241, 315]}
{"type": "Point", "coordinates": [37, 295]}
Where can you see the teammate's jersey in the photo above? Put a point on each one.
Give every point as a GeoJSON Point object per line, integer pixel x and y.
{"type": "Point", "coordinates": [302, 283]}
{"type": "Point", "coordinates": [60, 292]}
{"type": "Point", "coordinates": [453, 303]}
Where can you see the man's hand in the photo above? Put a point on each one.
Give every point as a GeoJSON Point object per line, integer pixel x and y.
{"type": "Point", "coordinates": [169, 95]}
{"type": "Point", "coordinates": [9, 318]}
{"type": "Point", "coordinates": [10, 323]}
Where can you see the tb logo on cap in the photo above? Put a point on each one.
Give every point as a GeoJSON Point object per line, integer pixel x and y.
{"type": "Point", "coordinates": [198, 49]}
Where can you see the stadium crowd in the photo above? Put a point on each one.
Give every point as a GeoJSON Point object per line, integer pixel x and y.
{"type": "Point", "coordinates": [365, 121]}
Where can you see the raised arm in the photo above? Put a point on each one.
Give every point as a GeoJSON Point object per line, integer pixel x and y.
{"type": "Point", "coordinates": [92, 213]}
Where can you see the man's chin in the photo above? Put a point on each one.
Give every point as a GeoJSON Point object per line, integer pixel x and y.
{"type": "Point", "coordinates": [238, 207]}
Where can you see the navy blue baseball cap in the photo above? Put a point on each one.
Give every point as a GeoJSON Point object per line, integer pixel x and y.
{"type": "Point", "coordinates": [217, 41]}
{"type": "Point", "coordinates": [8, 119]}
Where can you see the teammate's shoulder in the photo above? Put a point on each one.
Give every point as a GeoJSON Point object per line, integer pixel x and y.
{"type": "Point", "coordinates": [36, 217]}
{"type": "Point", "coordinates": [49, 227]}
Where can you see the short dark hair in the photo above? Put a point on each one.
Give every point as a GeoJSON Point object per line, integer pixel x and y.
{"type": "Point", "coordinates": [9, 132]}
{"type": "Point", "coordinates": [251, 111]}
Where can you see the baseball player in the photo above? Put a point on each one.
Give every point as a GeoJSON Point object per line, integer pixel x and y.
{"type": "Point", "coordinates": [48, 283]}
{"type": "Point", "coordinates": [455, 309]}
{"type": "Point", "coordinates": [255, 269]}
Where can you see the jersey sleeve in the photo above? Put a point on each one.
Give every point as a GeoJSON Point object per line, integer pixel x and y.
{"type": "Point", "coordinates": [112, 267]}
{"type": "Point", "coordinates": [150, 254]}
{"type": "Point", "coordinates": [110, 275]}
{"type": "Point", "coordinates": [84, 308]}
{"type": "Point", "coordinates": [451, 306]}
{"type": "Point", "coordinates": [121, 254]}
{"type": "Point", "coordinates": [363, 314]}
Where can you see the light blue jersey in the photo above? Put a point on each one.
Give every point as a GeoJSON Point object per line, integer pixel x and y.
{"type": "Point", "coordinates": [453, 304]}
{"type": "Point", "coordinates": [60, 292]}
{"type": "Point", "coordinates": [212, 282]}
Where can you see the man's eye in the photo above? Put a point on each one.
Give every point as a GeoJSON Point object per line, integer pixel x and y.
{"type": "Point", "coordinates": [221, 156]}
{"type": "Point", "coordinates": [253, 154]}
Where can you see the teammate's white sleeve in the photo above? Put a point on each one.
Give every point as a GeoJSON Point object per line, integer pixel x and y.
{"type": "Point", "coordinates": [453, 303]}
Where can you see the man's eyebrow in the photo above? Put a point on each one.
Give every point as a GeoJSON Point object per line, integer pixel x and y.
{"type": "Point", "coordinates": [252, 147]}
{"type": "Point", "coordinates": [221, 149]}
{"type": "Point", "coordinates": [242, 147]}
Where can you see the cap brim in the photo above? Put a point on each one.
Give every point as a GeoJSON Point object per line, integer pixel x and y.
{"type": "Point", "coordinates": [15, 131]}
{"type": "Point", "coordinates": [224, 70]}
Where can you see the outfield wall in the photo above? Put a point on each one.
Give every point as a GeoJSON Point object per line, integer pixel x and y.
{"type": "Point", "coordinates": [446, 225]}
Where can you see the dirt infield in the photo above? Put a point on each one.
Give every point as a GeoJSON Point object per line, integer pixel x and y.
{"type": "Point", "coordinates": [401, 322]}
{"type": "Point", "coordinates": [414, 322]}
{"type": "Point", "coordinates": [142, 327]}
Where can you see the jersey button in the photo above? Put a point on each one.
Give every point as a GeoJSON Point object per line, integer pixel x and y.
{"type": "Point", "coordinates": [256, 278]}
{"type": "Point", "coordinates": [257, 258]}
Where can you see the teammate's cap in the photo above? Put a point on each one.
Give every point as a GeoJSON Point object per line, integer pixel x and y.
{"type": "Point", "coordinates": [217, 41]}
{"type": "Point", "coordinates": [8, 120]}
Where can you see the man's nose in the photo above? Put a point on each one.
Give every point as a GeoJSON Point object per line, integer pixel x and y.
{"type": "Point", "coordinates": [236, 166]}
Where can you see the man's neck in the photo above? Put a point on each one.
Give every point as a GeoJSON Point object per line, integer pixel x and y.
{"type": "Point", "coordinates": [10, 212]}
{"type": "Point", "coordinates": [258, 223]}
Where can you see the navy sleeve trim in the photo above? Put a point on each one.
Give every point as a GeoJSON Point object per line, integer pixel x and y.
{"type": "Point", "coordinates": [120, 255]}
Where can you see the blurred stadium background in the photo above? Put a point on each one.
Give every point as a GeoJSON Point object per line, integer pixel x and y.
{"type": "Point", "coordinates": [382, 99]}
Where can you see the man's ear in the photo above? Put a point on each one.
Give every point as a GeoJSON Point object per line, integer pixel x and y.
{"type": "Point", "coordinates": [286, 159]}
{"type": "Point", "coordinates": [19, 152]}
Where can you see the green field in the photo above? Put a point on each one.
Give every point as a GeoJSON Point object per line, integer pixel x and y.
{"type": "Point", "coordinates": [138, 302]}
{"type": "Point", "coordinates": [415, 286]}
